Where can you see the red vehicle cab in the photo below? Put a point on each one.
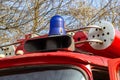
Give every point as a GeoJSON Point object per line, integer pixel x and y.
{"type": "Point", "coordinates": [58, 65]}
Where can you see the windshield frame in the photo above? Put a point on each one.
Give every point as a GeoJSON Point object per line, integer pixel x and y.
{"type": "Point", "coordinates": [118, 72]}
{"type": "Point", "coordinates": [114, 68]}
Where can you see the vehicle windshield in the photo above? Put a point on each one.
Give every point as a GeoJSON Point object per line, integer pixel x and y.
{"type": "Point", "coordinates": [40, 73]}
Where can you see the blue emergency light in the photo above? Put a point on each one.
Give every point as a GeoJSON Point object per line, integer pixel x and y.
{"type": "Point", "coordinates": [57, 26]}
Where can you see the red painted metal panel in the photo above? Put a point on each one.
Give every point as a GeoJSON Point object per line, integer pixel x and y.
{"type": "Point", "coordinates": [55, 57]}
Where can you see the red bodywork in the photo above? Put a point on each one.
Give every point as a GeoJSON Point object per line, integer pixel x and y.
{"type": "Point", "coordinates": [58, 57]}
{"type": "Point", "coordinates": [115, 46]}
{"type": "Point", "coordinates": [114, 69]}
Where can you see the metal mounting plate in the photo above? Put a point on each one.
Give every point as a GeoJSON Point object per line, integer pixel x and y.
{"type": "Point", "coordinates": [106, 34]}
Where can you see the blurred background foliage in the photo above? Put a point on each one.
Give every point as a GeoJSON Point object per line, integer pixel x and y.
{"type": "Point", "coordinates": [20, 17]}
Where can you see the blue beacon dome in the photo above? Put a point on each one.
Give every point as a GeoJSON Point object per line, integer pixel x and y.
{"type": "Point", "coordinates": [57, 26]}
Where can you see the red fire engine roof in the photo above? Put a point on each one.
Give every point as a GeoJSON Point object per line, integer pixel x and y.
{"type": "Point", "coordinates": [56, 57]}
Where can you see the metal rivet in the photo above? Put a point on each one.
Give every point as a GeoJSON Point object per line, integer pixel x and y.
{"type": "Point", "coordinates": [108, 33]}
{"type": "Point", "coordinates": [96, 29]}
{"type": "Point", "coordinates": [104, 40]}
{"type": "Point", "coordinates": [9, 53]}
{"type": "Point", "coordinates": [98, 35]}
{"type": "Point", "coordinates": [103, 27]}
{"type": "Point", "coordinates": [78, 39]}
{"type": "Point", "coordinates": [103, 34]}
